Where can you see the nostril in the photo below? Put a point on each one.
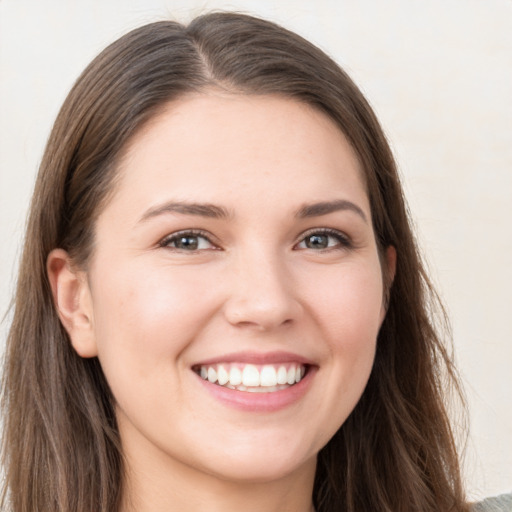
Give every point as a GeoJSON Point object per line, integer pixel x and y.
{"type": "Point", "coordinates": [262, 313]}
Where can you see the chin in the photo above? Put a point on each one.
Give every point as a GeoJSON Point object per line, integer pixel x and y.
{"type": "Point", "coordinates": [252, 462]}
{"type": "Point", "coordinates": [262, 471]}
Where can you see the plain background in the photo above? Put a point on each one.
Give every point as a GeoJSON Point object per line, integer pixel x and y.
{"type": "Point", "coordinates": [439, 75]}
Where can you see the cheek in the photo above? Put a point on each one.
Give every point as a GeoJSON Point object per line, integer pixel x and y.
{"type": "Point", "coordinates": [349, 307]}
{"type": "Point", "coordinates": [349, 316]}
{"type": "Point", "coordinates": [148, 315]}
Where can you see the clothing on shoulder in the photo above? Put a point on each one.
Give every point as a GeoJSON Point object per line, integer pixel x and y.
{"type": "Point", "coordinates": [501, 503]}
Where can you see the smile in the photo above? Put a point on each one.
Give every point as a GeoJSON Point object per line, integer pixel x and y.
{"type": "Point", "coordinates": [252, 378]}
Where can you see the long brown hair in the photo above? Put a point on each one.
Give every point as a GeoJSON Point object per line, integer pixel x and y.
{"type": "Point", "coordinates": [61, 448]}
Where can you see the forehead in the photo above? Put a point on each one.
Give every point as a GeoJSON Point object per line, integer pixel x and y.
{"type": "Point", "coordinates": [227, 145]}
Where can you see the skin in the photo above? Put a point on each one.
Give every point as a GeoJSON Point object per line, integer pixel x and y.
{"type": "Point", "coordinates": [151, 310]}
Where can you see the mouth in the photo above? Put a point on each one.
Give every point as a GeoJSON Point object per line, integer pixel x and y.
{"type": "Point", "coordinates": [252, 378]}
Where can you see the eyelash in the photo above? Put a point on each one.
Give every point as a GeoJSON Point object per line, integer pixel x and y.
{"type": "Point", "coordinates": [342, 241]}
{"type": "Point", "coordinates": [191, 233]}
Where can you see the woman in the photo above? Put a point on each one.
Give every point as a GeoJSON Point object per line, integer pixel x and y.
{"type": "Point", "coordinates": [220, 302]}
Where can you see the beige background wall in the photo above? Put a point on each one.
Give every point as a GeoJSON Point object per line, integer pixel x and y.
{"type": "Point", "coordinates": [439, 75]}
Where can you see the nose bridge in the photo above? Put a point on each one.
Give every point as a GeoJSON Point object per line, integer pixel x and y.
{"type": "Point", "coordinates": [261, 290]}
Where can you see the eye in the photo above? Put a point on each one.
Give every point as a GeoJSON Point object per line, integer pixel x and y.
{"type": "Point", "coordinates": [322, 239]}
{"type": "Point", "coordinates": [187, 241]}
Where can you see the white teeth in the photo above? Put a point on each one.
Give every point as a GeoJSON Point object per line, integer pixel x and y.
{"type": "Point", "coordinates": [268, 376]}
{"type": "Point", "coordinates": [222, 375]}
{"type": "Point", "coordinates": [282, 375]}
{"type": "Point", "coordinates": [251, 376]}
{"type": "Point", "coordinates": [235, 376]}
{"type": "Point", "coordinates": [212, 375]}
{"type": "Point", "coordinates": [270, 389]}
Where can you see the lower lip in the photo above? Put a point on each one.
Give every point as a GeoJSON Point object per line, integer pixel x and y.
{"type": "Point", "coordinates": [260, 402]}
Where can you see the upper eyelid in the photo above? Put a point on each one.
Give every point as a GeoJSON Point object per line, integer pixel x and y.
{"type": "Point", "coordinates": [191, 232]}
{"type": "Point", "coordinates": [344, 241]}
{"type": "Point", "coordinates": [324, 231]}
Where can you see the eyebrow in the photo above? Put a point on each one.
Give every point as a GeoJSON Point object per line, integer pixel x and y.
{"type": "Point", "coordinates": [201, 209]}
{"type": "Point", "coordinates": [219, 212]}
{"type": "Point", "coordinates": [326, 207]}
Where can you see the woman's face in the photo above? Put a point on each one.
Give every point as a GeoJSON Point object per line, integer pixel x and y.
{"type": "Point", "coordinates": [236, 257]}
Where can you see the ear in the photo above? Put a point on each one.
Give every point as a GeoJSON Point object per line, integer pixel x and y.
{"type": "Point", "coordinates": [72, 298]}
{"type": "Point", "coordinates": [390, 262]}
{"type": "Point", "coordinates": [388, 273]}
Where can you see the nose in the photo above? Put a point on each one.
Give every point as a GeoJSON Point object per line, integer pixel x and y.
{"type": "Point", "coordinates": [262, 295]}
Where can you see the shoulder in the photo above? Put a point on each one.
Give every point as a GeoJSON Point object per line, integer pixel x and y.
{"type": "Point", "coordinates": [501, 503]}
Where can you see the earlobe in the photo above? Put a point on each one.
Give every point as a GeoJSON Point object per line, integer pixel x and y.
{"type": "Point", "coordinates": [72, 299]}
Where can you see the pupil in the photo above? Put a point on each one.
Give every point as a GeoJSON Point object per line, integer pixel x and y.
{"type": "Point", "coordinates": [188, 242]}
{"type": "Point", "coordinates": [317, 241]}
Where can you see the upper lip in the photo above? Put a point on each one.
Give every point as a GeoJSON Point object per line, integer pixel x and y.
{"type": "Point", "coordinates": [256, 358]}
